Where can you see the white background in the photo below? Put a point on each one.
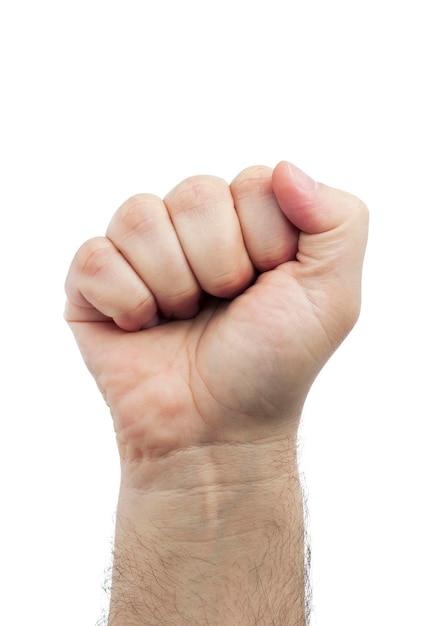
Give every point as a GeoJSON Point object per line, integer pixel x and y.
{"type": "Point", "coordinates": [100, 100]}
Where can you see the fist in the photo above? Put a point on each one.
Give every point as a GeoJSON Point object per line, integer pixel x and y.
{"type": "Point", "coordinates": [205, 316]}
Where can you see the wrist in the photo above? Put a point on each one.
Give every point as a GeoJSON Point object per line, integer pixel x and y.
{"type": "Point", "coordinates": [196, 488]}
{"type": "Point", "coordinates": [220, 523]}
{"type": "Point", "coordinates": [213, 464]}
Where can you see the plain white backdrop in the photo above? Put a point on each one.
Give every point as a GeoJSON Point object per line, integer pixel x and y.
{"type": "Point", "coordinates": [101, 100]}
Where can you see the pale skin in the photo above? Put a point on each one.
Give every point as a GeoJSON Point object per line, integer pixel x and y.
{"type": "Point", "coordinates": [205, 318]}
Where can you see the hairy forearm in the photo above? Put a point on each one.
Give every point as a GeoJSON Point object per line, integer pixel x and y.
{"type": "Point", "coordinates": [211, 535]}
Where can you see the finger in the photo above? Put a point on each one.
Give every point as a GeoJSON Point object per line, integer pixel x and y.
{"type": "Point", "coordinates": [203, 213]}
{"type": "Point", "coordinates": [142, 230]}
{"type": "Point", "coordinates": [270, 238]}
{"type": "Point", "coordinates": [310, 206]}
{"type": "Point", "coordinates": [332, 241]}
{"type": "Point", "coordinates": [101, 285]}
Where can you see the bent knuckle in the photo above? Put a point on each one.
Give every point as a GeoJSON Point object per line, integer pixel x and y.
{"type": "Point", "coordinates": [94, 256]}
{"type": "Point", "coordinates": [231, 282]}
{"type": "Point", "coordinates": [178, 303]}
{"type": "Point", "coordinates": [182, 295]}
{"type": "Point", "coordinates": [278, 251]}
{"type": "Point", "coordinates": [143, 302]}
{"type": "Point", "coordinates": [138, 313]}
{"type": "Point", "coordinates": [252, 180]}
{"type": "Point", "coordinates": [134, 217]}
{"type": "Point", "coordinates": [196, 193]}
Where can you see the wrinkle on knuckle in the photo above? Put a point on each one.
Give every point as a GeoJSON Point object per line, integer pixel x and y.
{"type": "Point", "coordinates": [197, 193]}
{"type": "Point", "coordinates": [143, 302]}
{"type": "Point", "coordinates": [188, 294]}
{"type": "Point", "coordinates": [230, 283]}
{"type": "Point", "coordinates": [253, 180]}
{"type": "Point", "coordinates": [135, 217]}
{"type": "Point", "coordinates": [138, 312]}
{"type": "Point", "coordinates": [94, 256]}
{"type": "Point", "coordinates": [275, 254]}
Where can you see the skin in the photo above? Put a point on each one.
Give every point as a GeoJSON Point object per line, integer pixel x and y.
{"type": "Point", "coordinates": [204, 319]}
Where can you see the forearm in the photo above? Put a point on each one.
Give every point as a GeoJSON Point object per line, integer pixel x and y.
{"type": "Point", "coordinates": [211, 535]}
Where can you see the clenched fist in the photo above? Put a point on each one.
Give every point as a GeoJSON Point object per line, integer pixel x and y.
{"type": "Point", "coordinates": [205, 317]}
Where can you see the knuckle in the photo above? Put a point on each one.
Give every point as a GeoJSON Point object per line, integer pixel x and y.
{"type": "Point", "coordinates": [183, 295]}
{"type": "Point", "coordinates": [252, 180]}
{"type": "Point", "coordinates": [274, 254]}
{"type": "Point", "coordinates": [134, 217]}
{"type": "Point", "coordinates": [142, 303]}
{"type": "Point", "coordinates": [196, 193]}
{"type": "Point", "coordinates": [140, 312]}
{"type": "Point", "coordinates": [93, 256]}
{"type": "Point", "coordinates": [230, 283]}
{"type": "Point", "coordinates": [181, 303]}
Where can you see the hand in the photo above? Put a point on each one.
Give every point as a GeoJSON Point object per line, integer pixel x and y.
{"type": "Point", "coordinates": [205, 318]}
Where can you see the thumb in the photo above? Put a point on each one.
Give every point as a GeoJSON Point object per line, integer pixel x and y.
{"type": "Point", "coordinates": [333, 228]}
{"type": "Point", "coordinates": [313, 207]}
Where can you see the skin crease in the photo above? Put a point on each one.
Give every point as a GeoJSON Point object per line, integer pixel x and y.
{"type": "Point", "coordinates": [205, 318]}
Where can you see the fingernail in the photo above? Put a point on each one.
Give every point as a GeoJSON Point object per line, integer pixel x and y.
{"type": "Point", "coordinates": [302, 180]}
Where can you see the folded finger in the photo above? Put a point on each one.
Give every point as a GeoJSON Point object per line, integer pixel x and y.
{"type": "Point", "coordinates": [142, 231]}
{"type": "Point", "coordinates": [202, 211]}
{"type": "Point", "coordinates": [270, 238]}
{"type": "Point", "coordinates": [102, 285]}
